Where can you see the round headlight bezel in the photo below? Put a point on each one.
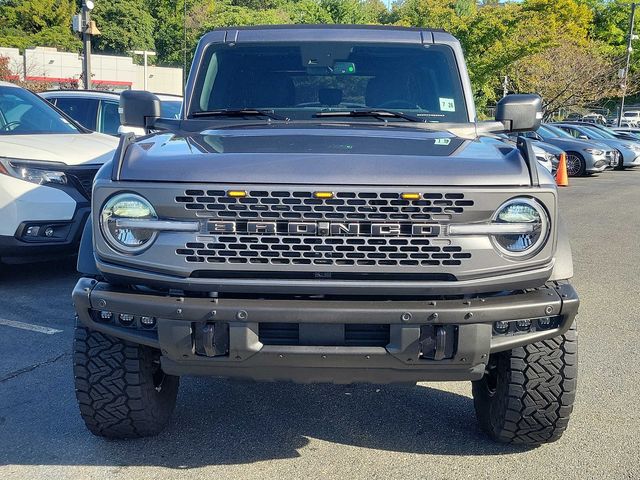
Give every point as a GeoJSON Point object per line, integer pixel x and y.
{"type": "Point", "coordinates": [545, 229]}
{"type": "Point", "coordinates": [112, 241]}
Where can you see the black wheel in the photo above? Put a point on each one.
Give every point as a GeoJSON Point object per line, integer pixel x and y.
{"type": "Point", "coordinates": [527, 395]}
{"type": "Point", "coordinates": [620, 165]}
{"type": "Point", "coordinates": [576, 166]}
{"type": "Point", "coordinates": [121, 389]}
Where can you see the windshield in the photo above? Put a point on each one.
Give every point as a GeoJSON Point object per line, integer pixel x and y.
{"type": "Point", "coordinates": [300, 80]}
{"type": "Point", "coordinates": [549, 131]}
{"type": "Point", "coordinates": [170, 108]}
{"type": "Point", "coordinates": [23, 113]}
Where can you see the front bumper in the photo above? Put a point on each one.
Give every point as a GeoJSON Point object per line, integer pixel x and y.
{"type": "Point", "coordinates": [238, 321]}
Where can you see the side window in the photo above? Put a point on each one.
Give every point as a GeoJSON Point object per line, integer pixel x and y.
{"type": "Point", "coordinates": [82, 110]}
{"type": "Point", "coordinates": [574, 133]}
{"type": "Point", "coordinates": [109, 118]}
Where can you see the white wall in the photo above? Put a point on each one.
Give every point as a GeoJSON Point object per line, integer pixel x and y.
{"type": "Point", "coordinates": [108, 71]}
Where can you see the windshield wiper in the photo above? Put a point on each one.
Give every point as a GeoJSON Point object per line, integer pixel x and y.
{"type": "Point", "coordinates": [377, 113]}
{"type": "Point", "coordinates": [239, 112]}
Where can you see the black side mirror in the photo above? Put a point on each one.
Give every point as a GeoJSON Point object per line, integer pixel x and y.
{"type": "Point", "coordinates": [137, 107]}
{"type": "Point", "coordinates": [520, 112]}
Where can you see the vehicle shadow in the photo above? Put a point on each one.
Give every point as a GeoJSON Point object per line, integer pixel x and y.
{"type": "Point", "coordinates": [221, 422]}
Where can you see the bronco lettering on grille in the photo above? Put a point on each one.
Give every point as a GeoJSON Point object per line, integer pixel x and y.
{"type": "Point", "coordinates": [325, 229]}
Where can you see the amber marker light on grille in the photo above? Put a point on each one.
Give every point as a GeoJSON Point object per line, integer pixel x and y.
{"type": "Point", "coordinates": [410, 196]}
{"type": "Point", "coordinates": [237, 193]}
{"type": "Point", "coordinates": [323, 194]}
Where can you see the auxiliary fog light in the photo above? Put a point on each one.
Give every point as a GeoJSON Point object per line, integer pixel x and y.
{"type": "Point", "coordinates": [106, 316]}
{"type": "Point", "coordinates": [126, 318]}
{"type": "Point", "coordinates": [545, 323]}
{"type": "Point", "coordinates": [523, 325]}
{"type": "Point", "coordinates": [501, 327]}
{"type": "Point", "coordinates": [148, 322]}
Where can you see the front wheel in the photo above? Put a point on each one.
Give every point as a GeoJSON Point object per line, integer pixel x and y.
{"type": "Point", "coordinates": [576, 166]}
{"type": "Point", "coordinates": [527, 394]}
{"type": "Point", "coordinates": [121, 389]}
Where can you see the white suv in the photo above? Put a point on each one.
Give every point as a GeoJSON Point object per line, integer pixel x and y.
{"type": "Point", "coordinates": [47, 165]}
{"type": "Point", "coordinates": [631, 118]}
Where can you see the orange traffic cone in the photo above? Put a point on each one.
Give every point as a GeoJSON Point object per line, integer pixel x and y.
{"type": "Point", "coordinates": [562, 179]}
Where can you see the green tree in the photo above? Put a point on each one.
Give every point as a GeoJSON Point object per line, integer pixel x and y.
{"type": "Point", "coordinates": [124, 25]}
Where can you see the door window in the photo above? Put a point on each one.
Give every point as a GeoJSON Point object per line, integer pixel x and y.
{"type": "Point", "coordinates": [109, 118]}
{"type": "Point", "coordinates": [82, 110]}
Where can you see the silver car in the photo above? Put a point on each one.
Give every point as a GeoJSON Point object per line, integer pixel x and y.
{"type": "Point", "coordinates": [629, 149]}
{"type": "Point", "coordinates": [583, 156]}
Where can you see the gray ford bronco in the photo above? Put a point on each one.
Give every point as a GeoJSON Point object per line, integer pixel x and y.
{"type": "Point", "coordinates": [324, 210]}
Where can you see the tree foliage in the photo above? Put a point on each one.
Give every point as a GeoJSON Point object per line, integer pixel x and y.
{"type": "Point", "coordinates": [536, 42]}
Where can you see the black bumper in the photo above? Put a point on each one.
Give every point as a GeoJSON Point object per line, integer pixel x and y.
{"type": "Point", "coordinates": [238, 326]}
{"type": "Point", "coordinates": [20, 247]}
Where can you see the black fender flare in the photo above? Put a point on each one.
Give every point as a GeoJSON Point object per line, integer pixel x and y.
{"type": "Point", "coordinates": [86, 259]}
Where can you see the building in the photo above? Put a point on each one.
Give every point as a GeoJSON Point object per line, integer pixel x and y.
{"type": "Point", "coordinates": [110, 72]}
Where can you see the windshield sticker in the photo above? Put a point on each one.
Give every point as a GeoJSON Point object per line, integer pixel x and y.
{"type": "Point", "coordinates": [447, 105]}
{"type": "Point", "coordinates": [442, 141]}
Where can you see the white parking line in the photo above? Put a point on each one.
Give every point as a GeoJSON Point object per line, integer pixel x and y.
{"type": "Point", "coordinates": [29, 326]}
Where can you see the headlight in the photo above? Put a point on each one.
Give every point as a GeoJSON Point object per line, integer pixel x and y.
{"type": "Point", "coordinates": [594, 151]}
{"type": "Point", "coordinates": [127, 206]}
{"type": "Point", "coordinates": [522, 211]}
{"type": "Point", "coordinates": [34, 172]}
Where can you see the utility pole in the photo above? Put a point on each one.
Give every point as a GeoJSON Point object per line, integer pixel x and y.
{"type": "Point", "coordinates": [87, 6]}
{"type": "Point", "coordinates": [145, 55]}
{"type": "Point", "coordinates": [505, 86]}
{"type": "Point", "coordinates": [625, 73]}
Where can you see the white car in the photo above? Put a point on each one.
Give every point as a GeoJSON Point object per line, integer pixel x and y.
{"type": "Point", "coordinates": [631, 118]}
{"type": "Point", "coordinates": [47, 165]}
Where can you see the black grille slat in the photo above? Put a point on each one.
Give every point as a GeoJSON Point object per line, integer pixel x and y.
{"type": "Point", "coordinates": [285, 249]}
{"type": "Point", "coordinates": [355, 335]}
{"type": "Point", "coordinates": [279, 205]}
{"type": "Point", "coordinates": [83, 179]}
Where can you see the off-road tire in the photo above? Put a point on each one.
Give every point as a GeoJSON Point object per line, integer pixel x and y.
{"type": "Point", "coordinates": [121, 390]}
{"type": "Point", "coordinates": [527, 395]}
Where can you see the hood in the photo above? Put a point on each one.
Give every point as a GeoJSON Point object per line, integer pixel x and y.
{"type": "Point", "coordinates": [68, 148]}
{"type": "Point", "coordinates": [547, 147]}
{"type": "Point", "coordinates": [321, 154]}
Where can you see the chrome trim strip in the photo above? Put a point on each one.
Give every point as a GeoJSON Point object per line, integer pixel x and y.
{"type": "Point", "coordinates": [159, 225]}
{"type": "Point", "coordinates": [491, 228]}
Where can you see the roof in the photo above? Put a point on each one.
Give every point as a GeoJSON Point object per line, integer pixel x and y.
{"type": "Point", "coordinates": [99, 94]}
{"type": "Point", "coordinates": [8, 84]}
{"type": "Point", "coordinates": [328, 33]}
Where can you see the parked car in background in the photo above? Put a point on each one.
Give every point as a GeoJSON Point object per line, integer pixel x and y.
{"type": "Point", "coordinates": [98, 110]}
{"type": "Point", "coordinates": [631, 117]}
{"type": "Point", "coordinates": [632, 131]}
{"type": "Point", "coordinates": [47, 165]}
{"type": "Point", "coordinates": [595, 118]}
{"type": "Point", "coordinates": [583, 157]}
{"type": "Point", "coordinates": [618, 134]}
{"type": "Point", "coordinates": [629, 149]}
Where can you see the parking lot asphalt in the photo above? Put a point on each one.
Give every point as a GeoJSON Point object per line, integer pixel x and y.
{"type": "Point", "coordinates": [227, 429]}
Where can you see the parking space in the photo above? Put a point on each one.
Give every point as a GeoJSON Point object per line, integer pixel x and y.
{"type": "Point", "coordinates": [225, 429]}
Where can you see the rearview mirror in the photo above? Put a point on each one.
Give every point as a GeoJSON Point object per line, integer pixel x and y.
{"type": "Point", "coordinates": [520, 112]}
{"type": "Point", "coordinates": [137, 107]}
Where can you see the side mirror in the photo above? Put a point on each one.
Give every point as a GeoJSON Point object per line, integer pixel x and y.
{"type": "Point", "coordinates": [520, 112]}
{"type": "Point", "coordinates": [137, 107]}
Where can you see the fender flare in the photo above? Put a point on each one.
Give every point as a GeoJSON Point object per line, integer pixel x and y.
{"type": "Point", "coordinates": [86, 260]}
{"type": "Point", "coordinates": [563, 268]}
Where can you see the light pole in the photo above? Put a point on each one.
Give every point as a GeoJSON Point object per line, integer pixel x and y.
{"type": "Point", "coordinates": [625, 75]}
{"type": "Point", "coordinates": [145, 55]}
{"type": "Point", "coordinates": [87, 6]}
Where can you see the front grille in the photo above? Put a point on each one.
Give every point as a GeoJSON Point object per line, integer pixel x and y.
{"type": "Point", "coordinates": [342, 335]}
{"type": "Point", "coordinates": [321, 251]}
{"type": "Point", "coordinates": [83, 179]}
{"type": "Point", "coordinates": [279, 205]}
